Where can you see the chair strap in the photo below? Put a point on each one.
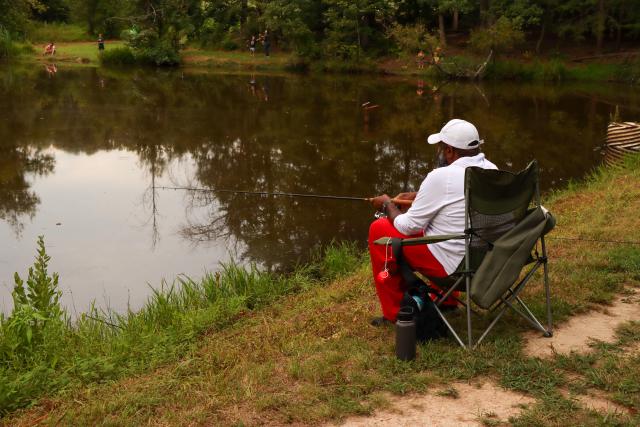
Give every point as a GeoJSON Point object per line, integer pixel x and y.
{"type": "Point", "coordinates": [410, 278]}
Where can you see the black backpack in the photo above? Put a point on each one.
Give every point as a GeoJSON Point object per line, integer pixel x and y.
{"type": "Point", "coordinates": [429, 325]}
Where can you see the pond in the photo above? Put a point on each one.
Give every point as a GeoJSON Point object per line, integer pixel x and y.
{"type": "Point", "coordinates": [85, 152]}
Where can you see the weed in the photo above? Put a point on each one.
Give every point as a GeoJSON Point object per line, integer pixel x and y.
{"type": "Point", "coordinates": [451, 392]}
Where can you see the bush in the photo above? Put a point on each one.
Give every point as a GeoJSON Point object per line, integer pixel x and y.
{"type": "Point", "coordinates": [413, 38]}
{"type": "Point", "coordinates": [229, 44]}
{"type": "Point", "coordinates": [161, 55]}
{"type": "Point", "coordinates": [509, 70]}
{"type": "Point", "coordinates": [628, 71]}
{"type": "Point", "coordinates": [150, 49]}
{"type": "Point", "coordinates": [554, 70]}
{"type": "Point", "coordinates": [503, 36]}
{"type": "Point", "coordinates": [118, 56]}
{"type": "Point", "coordinates": [7, 47]}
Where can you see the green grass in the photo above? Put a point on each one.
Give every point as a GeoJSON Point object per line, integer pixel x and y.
{"type": "Point", "coordinates": [312, 357]}
{"type": "Point", "coordinates": [102, 346]}
{"type": "Point", "coordinates": [86, 53]}
{"type": "Point", "coordinates": [233, 60]}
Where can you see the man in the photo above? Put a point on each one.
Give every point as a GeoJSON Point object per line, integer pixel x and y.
{"type": "Point", "coordinates": [438, 208]}
{"type": "Point", "coordinates": [100, 43]}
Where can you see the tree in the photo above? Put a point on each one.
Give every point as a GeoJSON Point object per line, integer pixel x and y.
{"type": "Point", "coordinates": [51, 10]}
{"type": "Point", "coordinates": [356, 25]}
{"type": "Point", "coordinates": [108, 17]}
{"type": "Point", "coordinates": [293, 20]}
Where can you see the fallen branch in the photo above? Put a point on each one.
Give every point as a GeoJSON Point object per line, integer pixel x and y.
{"type": "Point", "coordinates": [606, 55]}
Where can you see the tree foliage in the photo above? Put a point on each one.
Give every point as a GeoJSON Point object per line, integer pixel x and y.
{"type": "Point", "coordinates": [338, 29]}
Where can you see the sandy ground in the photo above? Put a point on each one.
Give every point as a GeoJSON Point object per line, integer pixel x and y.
{"type": "Point", "coordinates": [489, 401]}
{"type": "Point", "coordinates": [474, 402]}
{"type": "Point", "coordinates": [580, 331]}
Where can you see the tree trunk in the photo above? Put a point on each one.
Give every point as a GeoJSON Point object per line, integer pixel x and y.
{"type": "Point", "coordinates": [243, 13]}
{"type": "Point", "coordinates": [358, 35]}
{"type": "Point", "coordinates": [541, 38]}
{"type": "Point", "coordinates": [456, 14]}
{"type": "Point", "coordinates": [443, 37]}
{"type": "Point", "coordinates": [484, 12]}
{"type": "Point", "coordinates": [600, 17]}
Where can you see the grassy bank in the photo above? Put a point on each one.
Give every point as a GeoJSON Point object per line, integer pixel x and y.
{"type": "Point", "coordinates": [86, 53]}
{"type": "Point", "coordinates": [43, 353]}
{"type": "Point", "coordinates": [313, 357]}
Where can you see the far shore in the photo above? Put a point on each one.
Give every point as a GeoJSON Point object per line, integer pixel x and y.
{"type": "Point", "coordinates": [611, 67]}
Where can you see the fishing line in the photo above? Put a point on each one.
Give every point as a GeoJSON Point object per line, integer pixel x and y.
{"type": "Point", "coordinates": [281, 194]}
{"type": "Point", "coordinates": [396, 201]}
{"type": "Point", "coordinates": [578, 239]}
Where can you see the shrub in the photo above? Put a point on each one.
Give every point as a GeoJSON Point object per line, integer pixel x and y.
{"type": "Point", "coordinates": [36, 311]}
{"type": "Point", "coordinates": [118, 56]}
{"type": "Point", "coordinates": [554, 70]}
{"type": "Point", "coordinates": [229, 43]}
{"type": "Point", "coordinates": [150, 49]}
{"type": "Point", "coordinates": [413, 38]}
{"type": "Point", "coordinates": [503, 36]}
{"type": "Point", "coordinates": [628, 71]}
{"type": "Point", "coordinates": [161, 55]}
{"type": "Point", "coordinates": [8, 48]}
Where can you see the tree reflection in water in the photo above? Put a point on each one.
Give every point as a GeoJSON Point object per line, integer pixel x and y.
{"type": "Point", "coordinates": [311, 136]}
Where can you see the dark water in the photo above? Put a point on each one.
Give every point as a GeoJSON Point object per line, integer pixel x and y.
{"type": "Point", "coordinates": [83, 152]}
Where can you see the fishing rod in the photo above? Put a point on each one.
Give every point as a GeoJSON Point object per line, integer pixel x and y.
{"type": "Point", "coordinates": [281, 194]}
{"type": "Point", "coordinates": [365, 199]}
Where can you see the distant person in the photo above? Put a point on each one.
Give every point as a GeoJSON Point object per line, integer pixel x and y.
{"type": "Point", "coordinates": [420, 59]}
{"type": "Point", "coordinates": [50, 49]}
{"type": "Point", "coordinates": [100, 43]}
{"type": "Point", "coordinates": [252, 45]}
{"type": "Point", "coordinates": [266, 42]}
{"type": "Point", "coordinates": [437, 56]}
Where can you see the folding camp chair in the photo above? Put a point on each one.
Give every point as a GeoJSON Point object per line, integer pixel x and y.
{"type": "Point", "coordinates": [504, 222]}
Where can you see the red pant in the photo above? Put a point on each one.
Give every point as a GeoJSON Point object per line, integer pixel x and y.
{"type": "Point", "coordinates": [391, 289]}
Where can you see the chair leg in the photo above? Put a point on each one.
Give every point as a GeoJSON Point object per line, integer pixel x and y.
{"type": "Point", "coordinates": [528, 315]}
{"type": "Point", "coordinates": [448, 325]}
{"type": "Point", "coordinates": [468, 292]}
{"type": "Point", "coordinates": [547, 292]}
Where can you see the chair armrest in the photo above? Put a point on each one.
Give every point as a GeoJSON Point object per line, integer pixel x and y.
{"type": "Point", "coordinates": [413, 241]}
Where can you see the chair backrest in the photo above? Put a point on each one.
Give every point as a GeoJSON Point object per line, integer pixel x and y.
{"type": "Point", "coordinates": [495, 202]}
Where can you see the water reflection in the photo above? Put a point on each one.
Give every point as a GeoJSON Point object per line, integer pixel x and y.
{"type": "Point", "coordinates": [305, 134]}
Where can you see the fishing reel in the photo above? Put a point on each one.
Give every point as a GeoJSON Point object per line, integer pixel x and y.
{"type": "Point", "coordinates": [379, 214]}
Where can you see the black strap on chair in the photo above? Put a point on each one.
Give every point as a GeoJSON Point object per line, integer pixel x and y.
{"type": "Point", "coordinates": [429, 324]}
{"type": "Point", "coordinates": [409, 277]}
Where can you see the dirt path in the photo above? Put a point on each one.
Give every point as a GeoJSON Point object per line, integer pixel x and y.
{"type": "Point", "coordinates": [461, 404]}
{"type": "Point", "coordinates": [470, 405]}
{"type": "Point", "coordinates": [580, 331]}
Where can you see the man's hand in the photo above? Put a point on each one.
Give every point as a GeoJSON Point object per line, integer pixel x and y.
{"type": "Point", "coordinates": [392, 210]}
{"type": "Point", "coordinates": [379, 200]}
{"type": "Point", "coordinates": [406, 196]}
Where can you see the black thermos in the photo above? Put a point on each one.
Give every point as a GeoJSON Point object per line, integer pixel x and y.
{"type": "Point", "coordinates": [406, 334]}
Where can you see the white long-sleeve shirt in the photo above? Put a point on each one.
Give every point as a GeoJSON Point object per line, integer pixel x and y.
{"type": "Point", "coordinates": [439, 209]}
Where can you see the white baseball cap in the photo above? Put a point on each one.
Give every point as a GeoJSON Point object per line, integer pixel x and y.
{"type": "Point", "coordinates": [459, 134]}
